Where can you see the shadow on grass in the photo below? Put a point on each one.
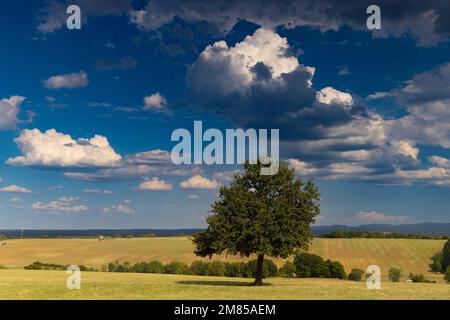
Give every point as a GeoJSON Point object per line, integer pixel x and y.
{"type": "Point", "coordinates": [220, 283]}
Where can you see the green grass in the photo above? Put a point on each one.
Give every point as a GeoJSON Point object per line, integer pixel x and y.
{"type": "Point", "coordinates": [29, 284]}
{"type": "Point", "coordinates": [410, 255]}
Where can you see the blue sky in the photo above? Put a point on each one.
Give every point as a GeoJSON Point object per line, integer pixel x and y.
{"type": "Point", "coordinates": [86, 115]}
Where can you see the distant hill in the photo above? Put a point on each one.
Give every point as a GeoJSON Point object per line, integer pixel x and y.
{"type": "Point", "coordinates": [426, 228]}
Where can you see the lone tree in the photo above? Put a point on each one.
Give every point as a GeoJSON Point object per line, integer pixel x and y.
{"type": "Point", "coordinates": [261, 215]}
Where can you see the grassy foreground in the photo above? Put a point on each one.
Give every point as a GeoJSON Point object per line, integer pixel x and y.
{"type": "Point", "coordinates": [410, 255]}
{"type": "Point", "coordinates": [22, 284]}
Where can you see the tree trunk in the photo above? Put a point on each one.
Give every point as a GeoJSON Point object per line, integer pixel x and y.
{"type": "Point", "coordinates": [259, 271]}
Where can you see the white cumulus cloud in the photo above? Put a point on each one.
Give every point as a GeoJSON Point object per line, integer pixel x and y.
{"type": "Point", "coordinates": [9, 109]}
{"type": "Point", "coordinates": [54, 149]}
{"type": "Point", "coordinates": [155, 102]}
{"type": "Point", "coordinates": [59, 207]}
{"type": "Point", "coordinates": [67, 81]}
{"type": "Point", "coordinates": [155, 184]}
{"type": "Point", "coordinates": [199, 182]}
{"type": "Point", "coordinates": [15, 188]}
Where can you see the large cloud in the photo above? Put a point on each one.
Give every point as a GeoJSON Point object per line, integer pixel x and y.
{"type": "Point", "coordinates": [425, 20]}
{"type": "Point", "coordinates": [9, 109]}
{"type": "Point", "coordinates": [263, 80]}
{"type": "Point", "coordinates": [326, 133]}
{"type": "Point", "coordinates": [58, 150]}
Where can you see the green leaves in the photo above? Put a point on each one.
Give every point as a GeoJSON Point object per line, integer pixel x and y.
{"type": "Point", "coordinates": [260, 214]}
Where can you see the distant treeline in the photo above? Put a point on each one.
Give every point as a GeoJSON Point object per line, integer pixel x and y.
{"type": "Point", "coordinates": [95, 233]}
{"type": "Point", "coordinates": [371, 234]}
{"type": "Point", "coordinates": [141, 233]}
{"type": "Point", "coordinates": [51, 266]}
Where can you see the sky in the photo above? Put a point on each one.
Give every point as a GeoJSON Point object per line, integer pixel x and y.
{"type": "Point", "coordinates": [86, 116]}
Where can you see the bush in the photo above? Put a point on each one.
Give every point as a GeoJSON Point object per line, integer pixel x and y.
{"type": "Point", "coordinates": [308, 265]}
{"type": "Point", "coordinates": [395, 274]}
{"type": "Point", "coordinates": [200, 268]}
{"type": "Point", "coordinates": [216, 268]}
{"type": "Point", "coordinates": [125, 267]}
{"type": "Point", "coordinates": [419, 278]}
{"type": "Point", "coordinates": [140, 267]}
{"type": "Point", "coordinates": [336, 270]}
{"type": "Point", "coordinates": [269, 269]}
{"type": "Point", "coordinates": [236, 270]}
{"type": "Point", "coordinates": [44, 266]}
{"type": "Point", "coordinates": [84, 268]}
{"type": "Point", "coordinates": [446, 256]}
{"type": "Point", "coordinates": [51, 266]}
{"type": "Point", "coordinates": [2, 267]}
{"type": "Point", "coordinates": [288, 270]}
{"type": "Point", "coordinates": [436, 264]}
{"type": "Point", "coordinates": [177, 268]}
{"type": "Point", "coordinates": [355, 275]}
{"type": "Point", "coordinates": [447, 275]}
{"type": "Point", "coordinates": [155, 267]}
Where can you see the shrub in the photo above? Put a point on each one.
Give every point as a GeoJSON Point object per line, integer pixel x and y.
{"type": "Point", "coordinates": [419, 278]}
{"type": "Point", "coordinates": [288, 270]}
{"type": "Point", "coordinates": [2, 267]}
{"type": "Point", "coordinates": [436, 264]}
{"type": "Point", "coordinates": [445, 256]}
{"type": "Point", "coordinates": [269, 269]}
{"type": "Point", "coordinates": [236, 269]}
{"type": "Point", "coordinates": [395, 274]}
{"type": "Point", "coordinates": [200, 268]}
{"type": "Point", "coordinates": [311, 265]}
{"type": "Point", "coordinates": [118, 267]}
{"type": "Point", "coordinates": [44, 266]}
{"type": "Point", "coordinates": [216, 268]}
{"type": "Point", "coordinates": [355, 275]}
{"type": "Point", "coordinates": [447, 275]}
{"type": "Point", "coordinates": [336, 270]}
{"type": "Point", "coordinates": [125, 267]}
{"type": "Point", "coordinates": [84, 268]}
{"type": "Point", "coordinates": [308, 265]}
{"type": "Point", "coordinates": [155, 267]}
{"type": "Point", "coordinates": [177, 268]}
{"type": "Point", "coordinates": [140, 267]}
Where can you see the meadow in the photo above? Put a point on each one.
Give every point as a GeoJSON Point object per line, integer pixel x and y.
{"type": "Point", "coordinates": [31, 284]}
{"type": "Point", "coordinates": [410, 255]}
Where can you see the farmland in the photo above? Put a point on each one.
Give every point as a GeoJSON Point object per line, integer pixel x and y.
{"type": "Point", "coordinates": [15, 283]}
{"type": "Point", "coordinates": [410, 255]}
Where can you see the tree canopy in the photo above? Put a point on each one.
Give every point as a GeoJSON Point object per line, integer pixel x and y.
{"type": "Point", "coordinates": [261, 215]}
